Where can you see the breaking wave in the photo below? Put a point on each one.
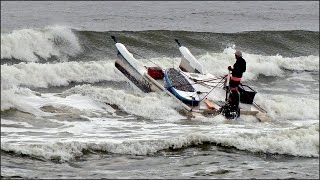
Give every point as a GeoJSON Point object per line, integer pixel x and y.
{"type": "Point", "coordinates": [32, 44]}
{"type": "Point", "coordinates": [296, 142]}
{"type": "Point", "coordinates": [59, 43]}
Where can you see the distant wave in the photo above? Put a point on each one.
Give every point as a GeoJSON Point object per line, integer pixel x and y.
{"type": "Point", "coordinates": [58, 43]}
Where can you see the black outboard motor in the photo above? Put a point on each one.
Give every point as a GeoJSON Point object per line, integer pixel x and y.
{"type": "Point", "coordinates": [245, 94]}
{"type": "Point", "coordinates": [231, 108]}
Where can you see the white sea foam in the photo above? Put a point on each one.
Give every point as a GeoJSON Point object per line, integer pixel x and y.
{"type": "Point", "coordinates": [287, 107]}
{"type": "Point", "coordinates": [35, 75]}
{"type": "Point", "coordinates": [29, 101]}
{"type": "Point", "coordinates": [12, 97]}
{"type": "Point", "coordinates": [303, 141]}
{"type": "Point", "coordinates": [59, 74]}
{"type": "Point", "coordinates": [75, 101]}
{"type": "Point", "coordinates": [217, 63]}
{"type": "Point", "coordinates": [23, 44]}
{"type": "Point", "coordinates": [305, 76]}
{"type": "Point", "coordinates": [303, 63]}
{"type": "Point", "coordinates": [151, 105]}
{"type": "Point", "coordinates": [10, 122]}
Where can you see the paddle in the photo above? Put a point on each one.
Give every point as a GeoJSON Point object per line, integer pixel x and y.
{"type": "Point", "coordinates": [114, 38]}
{"type": "Point", "coordinates": [227, 86]}
{"type": "Point", "coordinates": [178, 42]}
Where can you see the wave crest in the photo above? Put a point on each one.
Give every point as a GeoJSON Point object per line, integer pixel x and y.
{"type": "Point", "coordinates": [296, 142]}
{"type": "Point", "coordinates": [31, 44]}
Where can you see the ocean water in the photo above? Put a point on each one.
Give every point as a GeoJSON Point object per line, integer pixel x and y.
{"type": "Point", "coordinates": [67, 112]}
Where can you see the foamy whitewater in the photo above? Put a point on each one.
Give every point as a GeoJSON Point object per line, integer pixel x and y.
{"type": "Point", "coordinates": [68, 112]}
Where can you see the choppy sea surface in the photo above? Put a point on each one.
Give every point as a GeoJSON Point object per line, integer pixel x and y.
{"type": "Point", "coordinates": [67, 112]}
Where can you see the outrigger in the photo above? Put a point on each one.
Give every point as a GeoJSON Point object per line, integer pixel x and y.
{"type": "Point", "coordinates": [187, 84]}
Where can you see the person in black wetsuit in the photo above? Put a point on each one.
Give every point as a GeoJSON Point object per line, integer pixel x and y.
{"type": "Point", "coordinates": [238, 69]}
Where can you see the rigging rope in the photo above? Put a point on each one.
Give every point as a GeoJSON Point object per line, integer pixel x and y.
{"type": "Point", "coordinates": [209, 92]}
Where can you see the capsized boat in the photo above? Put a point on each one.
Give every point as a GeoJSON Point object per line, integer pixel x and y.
{"type": "Point", "coordinates": [187, 83]}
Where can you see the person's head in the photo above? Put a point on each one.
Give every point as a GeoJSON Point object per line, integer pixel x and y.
{"type": "Point", "coordinates": [238, 54]}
